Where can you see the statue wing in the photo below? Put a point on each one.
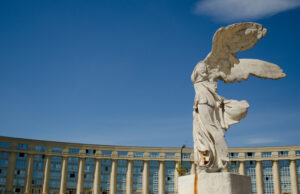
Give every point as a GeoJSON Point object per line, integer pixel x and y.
{"type": "Point", "coordinates": [234, 38]}
{"type": "Point", "coordinates": [254, 67]}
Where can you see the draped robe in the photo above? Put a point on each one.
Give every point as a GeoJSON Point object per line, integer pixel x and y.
{"type": "Point", "coordinates": [212, 115]}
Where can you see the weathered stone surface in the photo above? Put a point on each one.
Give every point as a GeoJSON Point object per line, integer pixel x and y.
{"type": "Point", "coordinates": [215, 183]}
{"type": "Point", "coordinates": [213, 113]}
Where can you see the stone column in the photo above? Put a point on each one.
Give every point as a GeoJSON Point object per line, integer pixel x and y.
{"type": "Point", "coordinates": [146, 177]}
{"type": "Point", "coordinates": [113, 177]}
{"type": "Point", "coordinates": [97, 177]}
{"type": "Point", "coordinates": [294, 181]}
{"type": "Point", "coordinates": [10, 173]}
{"type": "Point", "coordinates": [176, 176]}
{"type": "Point", "coordinates": [28, 176]}
{"type": "Point", "coordinates": [63, 178]}
{"type": "Point", "coordinates": [161, 178]}
{"type": "Point", "coordinates": [193, 168]}
{"type": "Point", "coordinates": [80, 178]}
{"type": "Point", "coordinates": [47, 167]}
{"type": "Point", "coordinates": [242, 169]}
{"type": "Point", "coordinates": [259, 178]}
{"type": "Point", "coordinates": [129, 177]}
{"type": "Point", "coordinates": [276, 177]}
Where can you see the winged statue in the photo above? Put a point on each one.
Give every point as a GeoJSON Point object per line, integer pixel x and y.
{"type": "Point", "coordinates": [212, 113]}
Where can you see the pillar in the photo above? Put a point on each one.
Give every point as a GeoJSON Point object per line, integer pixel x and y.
{"type": "Point", "coordinates": [146, 177]}
{"type": "Point", "coordinates": [113, 177]}
{"type": "Point", "coordinates": [259, 178]}
{"type": "Point", "coordinates": [129, 177]}
{"type": "Point", "coordinates": [161, 178]}
{"type": "Point", "coordinates": [193, 168]}
{"type": "Point", "coordinates": [242, 169]}
{"type": "Point", "coordinates": [176, 176]}
{"type": "Point", "coordinates": [294, 181]}
{"type": "Point", "coordinates": [28, 176]}
{"type": "Point", "coordinates": [63, 179]}
{"type": "Point", "coordinates": [276, 177]}
{"type": "Point", "coordinates": [10, 172]}
{"type": "Point", "coordinates": [80, 178]}
{"type": "Point", "coordinates": [46, 178]}
{"type": "Point", "coordinates": [97, 177]}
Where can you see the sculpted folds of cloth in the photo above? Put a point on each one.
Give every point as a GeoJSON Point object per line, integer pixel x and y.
{"type": "Point", "coordinates": [212, 113]}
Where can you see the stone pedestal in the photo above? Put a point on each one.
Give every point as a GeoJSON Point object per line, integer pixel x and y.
{"type": "Point", "coordinates": [214, 183]}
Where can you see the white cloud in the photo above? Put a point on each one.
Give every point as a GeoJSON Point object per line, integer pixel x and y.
{"type": "Point", "coordinates": [233, 10]}
{"type": "Point", "coordinates": [261, 140]}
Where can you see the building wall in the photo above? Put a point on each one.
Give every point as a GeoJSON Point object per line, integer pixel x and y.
{"type": "Point", "coordinates": [33, 166]}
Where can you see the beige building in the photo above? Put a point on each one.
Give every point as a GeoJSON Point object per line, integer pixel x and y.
{"type": "Point", "coordinates": [33, 166]}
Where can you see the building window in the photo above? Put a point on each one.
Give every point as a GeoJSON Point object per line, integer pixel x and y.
{"type": "Point", "coordinates": [73, 150]}
{"type": "Point", "coordinates": [170, 155]}
{"type": "Point", "coordinates": [153, 176]}
{"type": "Point", "coordinates": [37, 173]}
{"type": "Point", "coordinates": [138, 154]}
{"type": "Point", "coordinates": [266, 154]}
{"type": "Point", "coordinates": [3, 169]}
{"type": "Point", "coordinates": [285, 178]}
{"type": "Point", "coordinates": [4, 145]}
{"type": "Point", "coordinates": [40, 148]}
{"type": "Point", "coordinates": [57, 150]}
{"type": "Point", "coordinates": [22, 146]}
{"type": "Point", "coordinates": [55, 174]}
{"type": "Point", "coordinates": [106, 153]}
{"type": "Point", "coordinates": [233, 155]}
{"type": "Point", "coordinates": [121, 176]}
{"type": "Point", "coordinates": [283, 154]}
{"type": "Point", "coordinates": [138, 176]}
{"type": "Point", "coordinates": [21, 155]}
{"type": "Point", "coordinates": [122, 154]}
{"type": "Point", "coordinates": [267, 172]}
{"type": "Point", "coordinates": [187, 165]}
{"type": "Point", "coordinates": [234, 167]}
{"type": "Point", "coordinates": [249, 155]}
{"type": "Point", "coordinates": [89, 170]}
{"type": "Point", "coordinates": [186, 155]}
{"type": "Point", "coordinates": [154, 154]}
{"type": "Point", "coordinates": [105, 175]}
{"type": "Point", "coordinates": [90, 152]}
{"type": "Point", "coordinates": [298, 172]}
{"type": "Point", "coordinates": [297, 153]}
{"type": "Point", "coordinates": [169, 177]}
{"type": "Point", "coordinates": [72, 174]}
{"type": "Point", "coordinates": [20, 171]}
{"type": "Point", "coordinates": [250, 171]}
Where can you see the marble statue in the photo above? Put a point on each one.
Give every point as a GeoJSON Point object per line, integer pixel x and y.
{"type": "Point", "coordinates": [212, 113]}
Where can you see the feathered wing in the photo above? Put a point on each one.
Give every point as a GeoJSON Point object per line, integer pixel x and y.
{"type": "Point", "coordinates": [254, 67]}
{"type": "Point", "coordinates": [234, 38]}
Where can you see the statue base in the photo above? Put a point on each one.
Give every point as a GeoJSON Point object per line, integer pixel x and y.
{"type": "Point", "coordinates": [214, 183]}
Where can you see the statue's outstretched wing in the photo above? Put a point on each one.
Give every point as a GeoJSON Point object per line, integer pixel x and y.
{"type": "Point", "coordinates": [253, 67]}
{"type": "Point", "coordinates": [234, 38]}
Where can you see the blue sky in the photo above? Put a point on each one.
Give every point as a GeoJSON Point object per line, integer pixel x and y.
{"type": "Point", "coordinates": [117, 72]}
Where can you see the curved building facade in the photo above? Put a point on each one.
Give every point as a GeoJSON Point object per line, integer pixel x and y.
{"type": "Point", "coordinates": [33, 166]}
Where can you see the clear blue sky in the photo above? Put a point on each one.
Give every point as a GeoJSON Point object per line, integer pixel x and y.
{"type": "Point", "coordinates": [117, 72]}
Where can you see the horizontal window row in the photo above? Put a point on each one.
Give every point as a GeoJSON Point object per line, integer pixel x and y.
{"type": "Point", "coordinates": [139, 154]}
{"type": "Point", "coordinates": [263, 154]}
